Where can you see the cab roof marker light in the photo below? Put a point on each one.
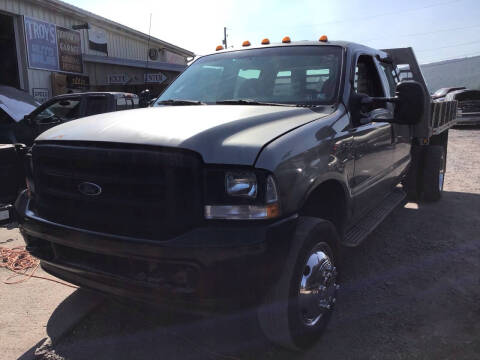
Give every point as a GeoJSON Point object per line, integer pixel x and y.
{"type": "Point", "coordinates": [265, 41]}
{"type": "Point", "coordinates": [286, 40]}
{"type": "Point", "coordinates": [246, 43]}
{"type": "Point", "coordinates": [219, 47]}
{"type": "Point", "coordinates": [323, 38]}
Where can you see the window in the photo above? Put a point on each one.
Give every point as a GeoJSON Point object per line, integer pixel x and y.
{"type": "Point", "coordinates": [390, 75]}
{"type": "Point", "coordinates": [367, 81]}
{"type": "Point", "coordinates": [292, 75]}
{"type": "Point", "coordinates": [64, 109]}
{"type": "Point", "coordinates": [96, 105]}
{"type": "Point", "coordinates": [127, 102]}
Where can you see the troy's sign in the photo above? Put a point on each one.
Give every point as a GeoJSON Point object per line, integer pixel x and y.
{"type": "Point", "coordinates": [52, 47]}
{"type": "Point", "coordinates": [41, 39]}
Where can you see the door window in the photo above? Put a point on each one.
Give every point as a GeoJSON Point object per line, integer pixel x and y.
{"type": "Point", "coordinates": [390, 75]}
{"type": "Point", "coordinates": [60, 110]}
{"type": "Point", "coordinates": [367, 80]}
{"type": "Point", "coordinates": [96, 105]}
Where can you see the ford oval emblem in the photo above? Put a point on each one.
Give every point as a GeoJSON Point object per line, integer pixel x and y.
{"type": "Point", "coordinates": [89, 189]}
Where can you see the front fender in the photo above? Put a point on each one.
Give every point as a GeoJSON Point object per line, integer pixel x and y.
{"type": "Point", "coordinates": [308, 156]}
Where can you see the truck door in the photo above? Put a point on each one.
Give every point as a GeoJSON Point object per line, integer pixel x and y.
{"type": "Point", "coordinates": [401, 133]}
{"type": "Point", "coordinates": [372, 143]}
{"type": "Point", "coordinates": [98, 104]}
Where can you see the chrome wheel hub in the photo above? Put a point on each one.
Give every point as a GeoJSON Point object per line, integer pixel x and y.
{"type": "Point", "coordinates": [317, 287]}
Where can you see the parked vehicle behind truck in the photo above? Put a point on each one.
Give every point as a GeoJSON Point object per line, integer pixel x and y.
{"type": "Point", "coordinates": [243, 183]}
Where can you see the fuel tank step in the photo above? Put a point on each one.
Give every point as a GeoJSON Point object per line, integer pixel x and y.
{"type": "Point", "coordinates": [365, 225]}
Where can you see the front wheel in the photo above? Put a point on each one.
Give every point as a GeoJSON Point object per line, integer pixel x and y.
{"type": "Point", "coordinates": [298, 307]}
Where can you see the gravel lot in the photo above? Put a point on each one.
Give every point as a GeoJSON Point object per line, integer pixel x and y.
{"type": "Point", "coordinates": [410, 291]}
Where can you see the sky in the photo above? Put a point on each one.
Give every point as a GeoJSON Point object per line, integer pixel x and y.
{"type": "Point", "coordinates": [436, 29]}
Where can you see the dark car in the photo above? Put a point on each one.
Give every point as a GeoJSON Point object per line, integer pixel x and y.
{"type": "Point", "coordinates": [441, 93]}
{"type": "Point", "coordinates": [468, 106]}
{"type": "Point", "coordinates": [68, 107]}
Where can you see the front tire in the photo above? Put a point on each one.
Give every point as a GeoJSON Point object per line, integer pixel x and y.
{"type": "Point", "coordinates": [298, 308]}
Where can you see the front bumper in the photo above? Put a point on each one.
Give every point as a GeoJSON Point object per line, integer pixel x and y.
{"type": "Point", "coordinates": [221, 264]}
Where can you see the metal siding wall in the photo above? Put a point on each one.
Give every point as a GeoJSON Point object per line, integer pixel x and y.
{"type": "Point", "coordinates": [120, 43]}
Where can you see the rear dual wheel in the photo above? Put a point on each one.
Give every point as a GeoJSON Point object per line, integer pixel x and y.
{"type": "Point", "coordinates": [298, 307]}
{"type": "Point", "coordinates": [433, 172]}
{"type": "Point", "coordinates": [426, 176]}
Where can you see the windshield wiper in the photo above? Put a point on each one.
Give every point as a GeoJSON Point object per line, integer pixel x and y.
{"type": "Point", "coordinates": [179, 102]}
{"type": "Point", "coordinates": [248, 102]}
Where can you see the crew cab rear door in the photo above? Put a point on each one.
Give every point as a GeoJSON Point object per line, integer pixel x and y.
{"type": "Point", "coordinates": [98, 104]}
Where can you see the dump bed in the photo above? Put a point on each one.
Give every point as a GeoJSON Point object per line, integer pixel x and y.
{"type": "Point", "coordinates": [439, 115]}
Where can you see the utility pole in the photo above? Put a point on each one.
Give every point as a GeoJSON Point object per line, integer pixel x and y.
{"type": "Point", "coordinates": [225, 37]}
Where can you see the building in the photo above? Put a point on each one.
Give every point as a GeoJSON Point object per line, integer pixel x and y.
{"type": "Point", "coordinates": [49, 47]}
{"type": "Point", "coordinates": [453, 73]}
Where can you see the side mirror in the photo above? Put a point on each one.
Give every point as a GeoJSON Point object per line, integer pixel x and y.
{"type": "Point", "coordinates": [410, 103]}
{"type": "Point", "coordinates": [28, 119]}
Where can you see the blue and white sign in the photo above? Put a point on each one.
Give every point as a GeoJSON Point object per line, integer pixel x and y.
{"type": "Point", "coordinates": [41, 39]}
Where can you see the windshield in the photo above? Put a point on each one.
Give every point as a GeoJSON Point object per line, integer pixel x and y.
{"type": "Point", "coordinates": [304, 75]}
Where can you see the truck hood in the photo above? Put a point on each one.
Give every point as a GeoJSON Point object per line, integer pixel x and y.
{"type": "Point", "coordinates": [16, 103]}
{"type": "Point", "coordinates": [225, 134]}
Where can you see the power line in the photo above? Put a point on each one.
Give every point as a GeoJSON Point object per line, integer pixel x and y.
{"type": "Point", "coordinates": [428, 32]}
{"type": "Point", "coordinates": [382, 14]}
{"type": "Point", "coordinates": [457, 58]}
{"type": "Point", "coordinates": [450, 46]}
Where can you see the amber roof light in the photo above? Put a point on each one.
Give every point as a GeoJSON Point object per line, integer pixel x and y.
{"type": "Point", "coordinates": [246, 43]}
{"type": "Point", "coordinates": [219, 47]}
{"type": "Point", "coordinates": [286, 39]}
{"type": "Point", "coordinates": [265, 41]}
{"type": "Point", "coordinates": [323, 38]}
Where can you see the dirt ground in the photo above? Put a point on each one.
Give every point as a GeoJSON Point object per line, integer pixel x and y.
{"type": "Point", "coordinates": [410, 291]}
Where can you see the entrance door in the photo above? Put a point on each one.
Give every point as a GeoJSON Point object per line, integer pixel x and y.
{"type": "Point", "coordinates": [8, 50]}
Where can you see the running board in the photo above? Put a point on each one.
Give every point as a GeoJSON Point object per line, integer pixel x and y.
{"type": "Point", "coordinates": [364, 226]}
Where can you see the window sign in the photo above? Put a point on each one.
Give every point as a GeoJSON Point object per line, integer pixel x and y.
{"type": "Point", "coordinates": [41, 39]}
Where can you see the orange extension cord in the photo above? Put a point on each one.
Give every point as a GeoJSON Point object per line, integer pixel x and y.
{"type": "Point", "coordinates": [23, 264]}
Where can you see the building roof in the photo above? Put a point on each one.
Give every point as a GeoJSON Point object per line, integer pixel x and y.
{"type": "Point", "coordinates": [83, 15]}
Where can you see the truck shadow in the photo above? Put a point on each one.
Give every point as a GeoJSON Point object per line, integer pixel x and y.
{"type": "Point", "coordinates": [395, 288]}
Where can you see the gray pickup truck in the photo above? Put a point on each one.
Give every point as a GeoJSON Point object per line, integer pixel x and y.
{"type": "Point", "coordinates": [242, 184]}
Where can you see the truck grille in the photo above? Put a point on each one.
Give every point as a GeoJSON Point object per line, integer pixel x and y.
{"type": "Point", "coordinates": [146, 193]}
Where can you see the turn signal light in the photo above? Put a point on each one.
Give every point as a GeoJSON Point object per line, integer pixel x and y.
{"type": "Point", "coordinates": [286, 39]}
{"type": "Point", "coordinates": [219, 47]}
{"type": "Point", "coordinates": [323, 38]}
{"type": "Point", "coordinates": [246, 43]}
{"type": "Point", "coordinates": [265, 41]}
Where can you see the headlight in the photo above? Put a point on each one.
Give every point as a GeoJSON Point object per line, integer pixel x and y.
{"type": "Point", "coordinates": [246, 195]}
{"type": "Point", "coordinates": [241, 184]}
